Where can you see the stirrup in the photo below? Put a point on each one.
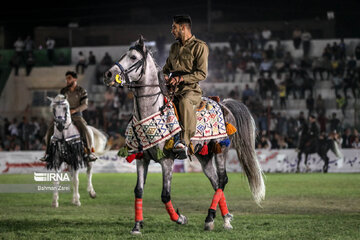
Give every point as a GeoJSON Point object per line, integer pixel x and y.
{"type": "Point", "coordinates": [180, 149]}
{"type": "Point", "coordinates": [179, 146]}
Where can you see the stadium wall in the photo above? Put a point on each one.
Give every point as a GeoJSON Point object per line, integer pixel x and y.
{"type": "Point", "coordinates": [316, 50]}
{"type": "Point", "coordinates": [271, 161]}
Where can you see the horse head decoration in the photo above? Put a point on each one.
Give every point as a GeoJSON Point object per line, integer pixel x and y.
{"type": "Point", "coordinates": [67, 147]}
{"type": "Point", "coordinates": [61, 111]}
{"type": "Point", "coordinates": [154, 124]}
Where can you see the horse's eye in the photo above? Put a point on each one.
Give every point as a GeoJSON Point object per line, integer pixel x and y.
{"type": "Point", "coordinates": [133, 57]}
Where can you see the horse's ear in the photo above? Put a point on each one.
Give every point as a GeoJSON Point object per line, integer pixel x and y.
{"type": "Point", "coordinates": [50, 98]}
{"type": "Point", "coordinates": [141, 41]}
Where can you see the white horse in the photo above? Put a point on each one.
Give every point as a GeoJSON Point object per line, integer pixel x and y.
{"type": "Point", "coordinates": [66, 147]}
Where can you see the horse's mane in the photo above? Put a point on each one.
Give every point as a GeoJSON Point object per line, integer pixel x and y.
{"type": "Point", "coordinates": [161, 79]}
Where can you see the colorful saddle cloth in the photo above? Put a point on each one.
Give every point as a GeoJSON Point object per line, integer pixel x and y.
{"type": "Point", "coordinates": [164, 124]}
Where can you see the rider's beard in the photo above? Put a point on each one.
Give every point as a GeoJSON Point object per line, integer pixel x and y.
{"type": "Point", "coordinates": [70, 84]}
{"type": "Point", "coordinates": [177, 36]}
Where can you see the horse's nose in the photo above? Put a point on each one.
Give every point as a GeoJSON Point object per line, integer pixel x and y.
{"type": "Point", "coordinates": [108, 74]}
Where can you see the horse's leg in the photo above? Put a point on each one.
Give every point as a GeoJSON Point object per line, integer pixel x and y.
{"type": "Point", "coordinates": [306, 163]}
{"type": "Point", "coordinates": [167, 169]}
{"type": "Point", "coordinates": [220, 162]}
{"type": "Point", "coordinates": [55, 202]}
{"type": "Point", "coordinates": [210, 172]}
{"type": "Point", "coordinates": [298, 162]}
{"type": "Point", "coordinates": [326, 163]}
{"type": "Point", "coordinates": [76, 195]}
{"type": "Point", "coordinates": [90, 187]}
{"type": "Point", "coordinates": [142, 168]}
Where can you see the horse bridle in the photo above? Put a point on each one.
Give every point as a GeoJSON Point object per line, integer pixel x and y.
{"type": "Point", "coordinates": [122, 79]}
{"type": "Point", "coordinates": [57, 121]}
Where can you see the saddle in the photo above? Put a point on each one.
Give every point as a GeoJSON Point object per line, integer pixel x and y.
{"type": "Point", "coordinates": [161, 126]}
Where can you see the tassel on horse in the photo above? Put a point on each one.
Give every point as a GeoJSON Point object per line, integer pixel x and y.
{"type": "Point", "coordinates": [123, 152]}
{"type": "Point", "coordinates": [134, 156]}
{"type": "Point", "coordinates": [217, 148]}
{"type": "Point", "coordinates": [169, 144]}
{"type": "Point", "coordinates": [205, 150]}
{"type": "Point", "coordinates": [159, 154]}
{"type": "Point", "coordinates": [226, 142]}
{"type": "Point", "coordinates": [230, 129]}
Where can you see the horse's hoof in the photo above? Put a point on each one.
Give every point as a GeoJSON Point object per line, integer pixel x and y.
{"type": "Point", "coordinates": [55, 204]}
{"type": "Point", "coordinates": [76, 203]}
{"type": "Point", "coordinates": [138, 226]}
{"type": "Point", "coordinates": [182, 220]}
{"type": "Point", "coordinates": [227, 219]}
{"type": "Point", "coordinates": [135, 232]}
{"type": "Point", "coordinates": [209, 226]}
{"type": "Point", "coordinates": [92, 194]}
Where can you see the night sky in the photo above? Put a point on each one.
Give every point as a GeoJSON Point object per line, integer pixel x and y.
{"type": "Point", "coordinates": [26, 16]}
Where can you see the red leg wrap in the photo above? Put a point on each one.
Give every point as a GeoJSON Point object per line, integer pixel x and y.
{"type": "Point", "coordinates": [223, 206]}
{"type": "Point", "coordinates": [170, 209]}
{"type": "Point", "coordinates": [216, 199]}
{"type": "Point", "coordinates": [138, 209]}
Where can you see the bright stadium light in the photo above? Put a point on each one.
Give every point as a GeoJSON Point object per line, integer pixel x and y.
{"type": "Point", "coordinates": [330, 15]}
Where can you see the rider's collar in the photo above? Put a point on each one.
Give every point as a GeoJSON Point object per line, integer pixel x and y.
{"type": "Point", "coordinates": [188, 41]}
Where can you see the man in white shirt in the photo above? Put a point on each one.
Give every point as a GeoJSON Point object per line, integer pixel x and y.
{"type": "Point", "coordinates": [19, 45]}
{"type": "Point", "coordinates": [50, 45]}
{"type": "Point", "coordinates": [265, 37]}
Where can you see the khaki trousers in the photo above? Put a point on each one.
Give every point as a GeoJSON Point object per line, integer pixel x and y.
{"type": "Point", "coordinates": [187, 104]}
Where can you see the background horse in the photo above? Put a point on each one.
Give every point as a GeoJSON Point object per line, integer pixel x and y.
{"type": "Point", "coordinates": [138, 71]}
{"type": "Point", "coordinates": [66, 147]}
{"type": "Point", "coordinates": [321, 147]}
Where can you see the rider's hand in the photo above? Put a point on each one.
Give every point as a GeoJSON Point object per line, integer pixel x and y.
{"type": "Point", "coordinates": [176, 80]}
{"type": "Point", "coordinates": [166, 77]}
{"type": "Point", "coordinates": [72, 111]}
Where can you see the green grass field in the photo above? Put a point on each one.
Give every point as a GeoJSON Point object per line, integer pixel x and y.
{"type": "Point", "coordinates": [297, 206]}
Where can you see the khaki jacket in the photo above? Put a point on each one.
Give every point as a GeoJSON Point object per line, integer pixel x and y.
{"type": "Point", "coordinates": [190, 61]}
{"type": "Point", "coordinates": [78, 99]}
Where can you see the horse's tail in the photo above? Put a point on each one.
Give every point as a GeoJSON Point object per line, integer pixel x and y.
{"type": "Point", "coordinates": [336, 149]}
{"type": "Point", "coordinates": [244, 143]}
{"type": "Point", "coordinates": [100, 141]}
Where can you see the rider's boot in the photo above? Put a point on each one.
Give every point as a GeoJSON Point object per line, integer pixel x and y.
{"type": "Point", "coordinates": [44, 158]}
{"type": "Point", "coordinates": [92, 157]}
{"type": "Point", "coordinates": [46, 155]}
{"type": "Point", "coordinates": [89, 154]}
{"type": "Point", "coordinates": [180, 149]}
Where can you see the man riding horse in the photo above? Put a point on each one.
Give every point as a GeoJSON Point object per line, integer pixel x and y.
{"type": "Point", "coordinates": [185, 67]}
{"type": "Point", "coordinates": [310, 135]}
{"type": "Point", "coordinates": [78, 100]}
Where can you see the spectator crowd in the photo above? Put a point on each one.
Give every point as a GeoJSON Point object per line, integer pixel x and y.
{"type": "Point", "coordinates": [271, 76]}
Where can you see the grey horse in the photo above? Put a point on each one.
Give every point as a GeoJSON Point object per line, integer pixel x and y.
{"type": "Point", "coordinates": [66, 147]}
{"type": "Point", "coordinates": [138, 71]}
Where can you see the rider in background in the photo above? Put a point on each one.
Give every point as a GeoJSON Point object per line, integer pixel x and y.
{"type": "Point", "coordinates": [309, 133]}
{"type": "Point", "coordinates": [185, 67]}
{"type": "Point", "coordinates": [78, 101]}
{"type": "Point", "coordinates": [313, 132]}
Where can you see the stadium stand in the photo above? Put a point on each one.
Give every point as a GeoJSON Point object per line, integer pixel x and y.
{"type": "Point", "coordinates": [231, 70]}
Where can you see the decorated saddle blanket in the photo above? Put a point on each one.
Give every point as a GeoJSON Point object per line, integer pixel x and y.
{"type": "Point", "coordinates": [164, 124]}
